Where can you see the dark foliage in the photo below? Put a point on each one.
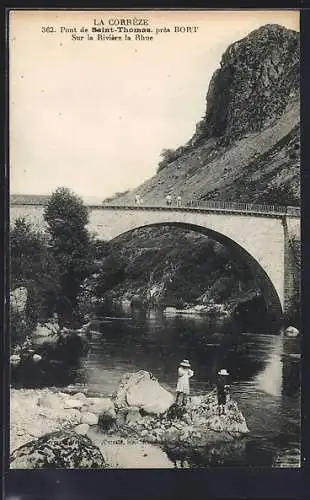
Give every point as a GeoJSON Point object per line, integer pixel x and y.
{"type": "Point", "coordinates": [33, 267]}
{"type": "Point", "coordinates": [185, 266]}
{"type": "Point", "coordinates": [70, 246]}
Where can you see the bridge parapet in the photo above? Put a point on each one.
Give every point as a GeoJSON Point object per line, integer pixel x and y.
{"type": "Point", "coordinates": [216, 206]}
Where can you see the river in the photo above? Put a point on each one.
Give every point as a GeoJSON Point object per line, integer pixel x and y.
{"type": "Point", "coordinates": [265, 375]}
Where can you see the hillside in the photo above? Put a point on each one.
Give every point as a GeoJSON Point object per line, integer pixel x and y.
{"type": "Point", "coordinates": [161, 264]}
{"type": "Point", "coordinates": [246, 148]}
{"type": "Point", "coordinates": [29, 199]}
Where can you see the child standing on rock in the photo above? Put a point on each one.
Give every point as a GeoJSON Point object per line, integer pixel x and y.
{"type": "Point", "coordinates": [222, 390]}
{"type": "Point", "coordinates": [184, 374]}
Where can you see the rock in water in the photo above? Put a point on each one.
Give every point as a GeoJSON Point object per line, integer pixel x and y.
{"type": "Point", "coordinates": [36, 358]}
{"type": "Point", "coordinates": [195, 426]}
{"type": "Point", "coordinates": [291, 331]}
{"type": "Point", "coordinates": [15, 359]}
{"type": "Point", "coordinates": [61, 450]}
{"type": "Point", "coordinates": [142, 390]}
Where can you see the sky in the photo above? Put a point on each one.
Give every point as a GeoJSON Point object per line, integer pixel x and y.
{"type": "Point", "coordinates": [94, 115]}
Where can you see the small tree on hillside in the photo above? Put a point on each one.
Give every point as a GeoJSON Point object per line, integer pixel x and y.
{"type": "Point", "coordinates": [168, 156]}
{"type": "Point", "coordinates": [70, 244]}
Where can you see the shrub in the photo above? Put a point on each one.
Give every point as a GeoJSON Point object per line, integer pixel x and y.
{"type": "Point", "coordinates": [168, 156]}
{"type": "Point", "coordinates": [33, 267]}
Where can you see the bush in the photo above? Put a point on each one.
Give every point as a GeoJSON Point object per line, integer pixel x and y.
{"type": "Point", "coordinates": [33, 267]}
{"type": "Point", "coordinates": [111, 274]}
{"type": "Point", "coordinates": [168, 156]}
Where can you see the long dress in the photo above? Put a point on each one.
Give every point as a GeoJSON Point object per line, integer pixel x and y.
{"type": "Point", "coordinates": [184, 374]}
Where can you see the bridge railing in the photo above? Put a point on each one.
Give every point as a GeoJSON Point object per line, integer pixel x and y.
{"type": "Point", "coordinates": [228, 206]}
{"type": "Point", "coordinates": [220, 206]}
{"type": "Point", "coordinates": [295, 211]}
{"type": "Point", "coordinates": [236, 206]}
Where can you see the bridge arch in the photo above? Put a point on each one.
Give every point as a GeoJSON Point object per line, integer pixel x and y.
{"type": "Point", "coordinates": [263, 280]}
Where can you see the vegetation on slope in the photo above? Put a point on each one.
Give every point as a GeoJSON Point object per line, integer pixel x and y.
{"type": "Point", "coordinates": [168, 266]}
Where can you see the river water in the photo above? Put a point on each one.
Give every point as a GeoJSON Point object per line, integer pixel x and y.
{"type": "Point", "coordinates": [264, 370]}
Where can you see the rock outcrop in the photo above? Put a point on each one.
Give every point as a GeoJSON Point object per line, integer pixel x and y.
{"type": "Point", "coordinates": [61, 450]}
{"type": "Point", "coordinates": [199, 425]}
{"type": "Point", "coordinates": [246, 147]}
{"type": "Point", "coordinates": [257, 79]}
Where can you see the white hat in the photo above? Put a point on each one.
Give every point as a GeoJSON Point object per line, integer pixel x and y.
{"type": "Point", "coordinates": [185, 363]}
{"type": "Point", "coordinates": [223, 371]}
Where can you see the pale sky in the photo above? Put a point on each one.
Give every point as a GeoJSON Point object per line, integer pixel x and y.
{"type": "Point", "coordinates": [95, 115]}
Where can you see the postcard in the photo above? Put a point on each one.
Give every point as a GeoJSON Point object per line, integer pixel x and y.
{"type": "Point", "coordinates": [154, 239]}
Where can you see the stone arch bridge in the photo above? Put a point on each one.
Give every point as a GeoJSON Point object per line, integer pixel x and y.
{"type": "Point", "coordinates": [257, 234]}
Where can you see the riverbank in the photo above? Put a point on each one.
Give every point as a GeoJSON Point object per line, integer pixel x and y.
{"type": "Point", "coordinates": [37, 412]}
{"type": "Point", "coordinates": [132, 428]}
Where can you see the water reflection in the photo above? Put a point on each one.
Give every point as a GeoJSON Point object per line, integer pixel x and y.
{"type": "Point", "coordinates": [270, 379]}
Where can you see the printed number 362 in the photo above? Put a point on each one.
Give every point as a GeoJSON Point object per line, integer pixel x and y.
{"type": "Point", "coordinates": [48, 29]}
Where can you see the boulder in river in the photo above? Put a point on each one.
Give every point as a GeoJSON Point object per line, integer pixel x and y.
{"type": "Point", "coordinates": [291, 331]}
{"type": "Point", "coordinates": [199, 424]}
{"type": "Point", "coordinates": [36, 358]}
{"type": "Point", "coordinates": [61, 450]}
{"type": "Point", "coordinates": [15, 359]}
{"type": "Point", "coordinates": [142, 390]}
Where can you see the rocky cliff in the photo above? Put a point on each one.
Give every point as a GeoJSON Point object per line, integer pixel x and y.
{"type": "Point", "coordinates": [246, 147]}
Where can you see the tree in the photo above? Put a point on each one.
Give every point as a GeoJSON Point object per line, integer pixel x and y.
{"type": "Point", "coordinates": [33, 267]}
{"type": "Point", "coordinates": [70, 243]}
